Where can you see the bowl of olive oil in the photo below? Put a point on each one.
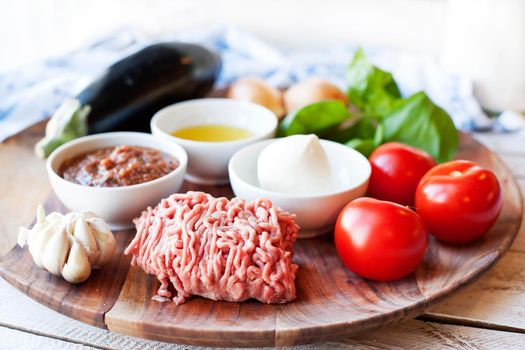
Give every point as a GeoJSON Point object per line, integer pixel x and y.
{"type": "Point", "coordinates": [211, 130]}
{"type": "Point", "coordinates": [212, 133]}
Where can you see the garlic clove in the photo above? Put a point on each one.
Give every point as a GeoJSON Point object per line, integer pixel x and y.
{"type": "Point", "coordinates": [105, 240]}
{"type": "Point", "coordinates": [51, 222]}
{"type": "Point", "coordinates": [98, 225]}
{"type": "Point", "coordinates": [85, 236]}
{"type": "Point", "coordinates": [77, 268]}
{"type": "Point", "coordinates": [38, 238]}
{"type": "Point", "coordinates": [55, 252]}
{"type": "Point", "coordinates": [54, 217]}
{"type": "Point", "coordinates": [24, 234]}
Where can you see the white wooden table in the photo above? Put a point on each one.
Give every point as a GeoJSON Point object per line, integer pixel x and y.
{"type": "Point", "coordinates": [488, 314]}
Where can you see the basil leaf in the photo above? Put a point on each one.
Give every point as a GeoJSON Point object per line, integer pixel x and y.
{"type": "Point", "coordinates": [317, 118]}
{"type": "Point", "coordinates": [370, 88]}
{"type": "Point", "coordinates": [359, 127]}
{"type": "Point", "coordinates": [418, 122]}
{"type": "Point", "coordinates": [379, 135]}
{"type": "Point", "coordinates": [367, 146]}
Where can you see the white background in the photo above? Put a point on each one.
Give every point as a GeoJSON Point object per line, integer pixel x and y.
{"type": "Point", "coordinates": [32, 29]}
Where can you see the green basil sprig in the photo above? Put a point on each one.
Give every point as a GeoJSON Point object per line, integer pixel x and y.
{"type": "Point", "coordinates": [418, 122]}
{"type": "Point", "coordinates": [380, 115]}
{"type": "Point", "coordinates": [317, 118]}
{"type": "Point", "coordinates": [371, 89]}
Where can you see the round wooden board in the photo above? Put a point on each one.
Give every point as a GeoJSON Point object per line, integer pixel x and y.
{"type": "Point", "coordinates": [331, 301]}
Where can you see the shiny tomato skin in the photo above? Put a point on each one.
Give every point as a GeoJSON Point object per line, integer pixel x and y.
{"type": "Point", "coordinates": [459, 201]}
{"type": "Point", "coordinates": [396, 171]}
{"type": "Point", "coordinates": [380, 240]}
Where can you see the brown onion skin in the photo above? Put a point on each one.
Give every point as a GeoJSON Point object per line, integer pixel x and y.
{"type": "Point", "coordinates": [254, 89]}
{"type": "Point", "coordinates": [309, 91]}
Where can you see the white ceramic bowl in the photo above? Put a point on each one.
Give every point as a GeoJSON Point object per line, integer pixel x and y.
{"type": "Point", "coordinates": [208, 161]}
{"type": "Point", "coordinates": [316, 213]}
{"type": "Point", "coordinates": [117, 205]}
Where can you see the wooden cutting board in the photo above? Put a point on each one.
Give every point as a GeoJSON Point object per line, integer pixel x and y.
{"type": "Point", "coordinates": [331, 301]}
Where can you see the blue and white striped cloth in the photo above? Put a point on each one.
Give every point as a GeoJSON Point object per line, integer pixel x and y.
{"type": "Point", "coordinates": [32, 93]}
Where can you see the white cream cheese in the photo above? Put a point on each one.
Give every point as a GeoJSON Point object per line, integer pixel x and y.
{"type": "Point", "coordinates": [68, 245]}
{"type": "Point", "coordinates": [296, 164]}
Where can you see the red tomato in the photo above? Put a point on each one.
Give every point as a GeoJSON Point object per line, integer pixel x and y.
{"type": "Point", "coordinates": [459, 201]}
{"type": "Point", "coordinates": [396, 171]}
{"type": "Point", "coordinates": [380, 240]}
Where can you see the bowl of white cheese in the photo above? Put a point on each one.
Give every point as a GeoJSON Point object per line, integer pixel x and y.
{"type": "Point", "coordinates": [301, 174]}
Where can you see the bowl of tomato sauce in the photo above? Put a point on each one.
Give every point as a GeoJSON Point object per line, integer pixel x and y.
{"type": "Point", "coordinates": [116, 175]}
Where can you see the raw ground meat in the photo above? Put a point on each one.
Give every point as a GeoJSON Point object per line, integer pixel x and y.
{"type": "Point", "coordinates": [216, 248]}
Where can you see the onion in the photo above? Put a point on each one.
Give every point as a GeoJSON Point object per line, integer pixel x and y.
{"type": "Point", "coordinates": [310, 91]}
{"type": "Point", "coordinates": [256, 90]}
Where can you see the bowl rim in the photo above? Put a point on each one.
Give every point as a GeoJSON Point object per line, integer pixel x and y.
{"type": "Point", "coordinates": [269, 194]}
{"type": "Point", "coordinates": [179, 171]}
{"type": "Point", "coordinates": [210, 100]}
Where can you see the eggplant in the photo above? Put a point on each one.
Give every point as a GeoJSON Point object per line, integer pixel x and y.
{"type": "Point", "coordinates": [127, 94]}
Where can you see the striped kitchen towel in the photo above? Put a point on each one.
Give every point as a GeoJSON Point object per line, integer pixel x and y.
{"type": "Point", "coordinates": [32, 93]}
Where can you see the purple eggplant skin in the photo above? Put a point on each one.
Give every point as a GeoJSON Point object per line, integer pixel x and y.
{"type": "Point", "coordinates": [129, 92]}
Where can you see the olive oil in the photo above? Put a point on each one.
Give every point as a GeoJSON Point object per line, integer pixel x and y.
{"type": "Point", "coordinates": [212, 133]}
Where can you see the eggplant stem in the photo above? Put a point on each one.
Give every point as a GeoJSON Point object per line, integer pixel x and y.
{"type": "Point", "coordinates": [67, 123]}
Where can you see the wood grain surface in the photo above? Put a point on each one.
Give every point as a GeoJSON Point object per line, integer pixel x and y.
{"type": "Point", "coordinates": [87, 302]}
{"type": "Point", "coordinates": [38, 327]}
{"type": "Point", "coordinates": [331, 303]}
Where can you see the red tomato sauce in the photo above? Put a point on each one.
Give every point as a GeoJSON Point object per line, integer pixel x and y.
{"type": "Point", "coordinates": [117, 166]}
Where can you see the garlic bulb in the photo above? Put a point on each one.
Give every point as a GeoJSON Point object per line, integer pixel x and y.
{"type": "Point", "coordinates": [68, 245]}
